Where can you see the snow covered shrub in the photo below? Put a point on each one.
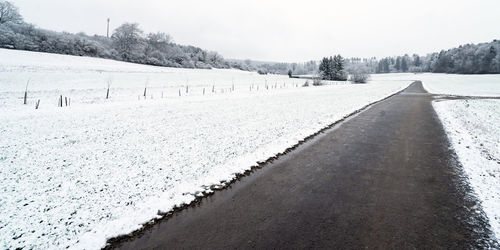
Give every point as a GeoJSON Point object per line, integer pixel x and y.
{"type": "Point", "coordinates": [359, 73]}
{"type": "Point", "coordinates": [317, 82]}
{"type": "Point", "coordinates": [262, 72]}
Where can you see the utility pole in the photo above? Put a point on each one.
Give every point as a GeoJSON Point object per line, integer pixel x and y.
{"type": "Point", "coordinates": [107, 31]}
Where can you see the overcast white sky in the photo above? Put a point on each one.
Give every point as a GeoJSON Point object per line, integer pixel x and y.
{"type": "Point", "coordinates": [285, 30]}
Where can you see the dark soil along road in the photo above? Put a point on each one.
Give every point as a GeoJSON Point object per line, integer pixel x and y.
{"type": "Point", "coordinates": [385, 179]}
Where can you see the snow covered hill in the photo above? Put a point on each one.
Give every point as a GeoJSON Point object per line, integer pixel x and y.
{"type": "Point", "coordinates": [76, 175]}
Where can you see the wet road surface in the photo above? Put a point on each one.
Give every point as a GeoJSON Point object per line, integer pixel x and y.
{"type": "Point", "coordinates": [384, 179]}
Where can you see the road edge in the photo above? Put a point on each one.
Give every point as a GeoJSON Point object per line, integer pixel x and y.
{"type": "Point", "coordinates": [114, 241]}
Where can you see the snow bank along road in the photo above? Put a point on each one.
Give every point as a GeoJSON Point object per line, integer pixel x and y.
{"type": "Point", "coordinates": [386, 178]}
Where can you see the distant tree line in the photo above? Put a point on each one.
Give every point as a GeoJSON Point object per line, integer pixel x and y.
{"type": "Point", "coordinates": [127, 43]}
{"type": "Point", "coordinates": [306, 68]}
{"type": "Point", "coordinates": [399, 64]}
{"type": "Point", "coordinates": [483, 58]}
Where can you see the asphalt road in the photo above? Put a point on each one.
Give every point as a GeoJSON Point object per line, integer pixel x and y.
{"type": "Point", "coordinates": [384, 179]}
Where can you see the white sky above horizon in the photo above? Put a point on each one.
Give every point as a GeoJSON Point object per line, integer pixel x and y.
{"type": "Point", "coordinates": [284, 31]}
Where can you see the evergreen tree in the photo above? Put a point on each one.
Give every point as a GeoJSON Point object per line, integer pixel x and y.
{"type": "Point", "coordinates": [380, 66]}
{"type": "Point", "coordinates": [387, 67]}
{"type": "Point", "coordinates": [416, 60]}
{"type": "Point", "coordinates": [338, 66]}
{"type": "Point", "coordinates": [333, 68]}
{"type": "Point", "coordinates": [332, 72]}
{"type": "Point", "coordinates": [398, 64]}
{"type": "Point", "coordinates": [404, 65]}
{"type": "Point", "coordinates": [325, 68]}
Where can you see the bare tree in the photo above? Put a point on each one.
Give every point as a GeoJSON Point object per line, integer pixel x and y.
{"type": "Point", "coordinates": [9, 13]}
{"type": "Point", "coordinates": [128, 41]}
{"type": "Point", "coordinates": [159, 40]}
{"type": "Point", "coordinates": [359, 73]}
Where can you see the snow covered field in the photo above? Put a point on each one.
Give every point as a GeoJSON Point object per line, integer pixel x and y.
{"type": "Point", "coordinates": [77, 175]}
{"type": "Point", "coordinates": [473, 127]}
{"type": "Point", "coordinates": [463, 85]}
{"type": "Point", "coordinates": [85, 80]}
